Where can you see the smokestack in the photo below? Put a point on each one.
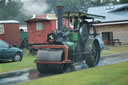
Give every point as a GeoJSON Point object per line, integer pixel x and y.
{"type": "Point", "coordinates": [60, 17]}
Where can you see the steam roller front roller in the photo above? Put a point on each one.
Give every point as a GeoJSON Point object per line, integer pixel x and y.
{"type": "Point", "coordinates": [52, 60]}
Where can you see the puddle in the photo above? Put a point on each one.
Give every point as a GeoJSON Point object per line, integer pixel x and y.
{"type": "Point", "coordinates": [20, 77]}
{"type": "Point", "coordinates": [13, 78]}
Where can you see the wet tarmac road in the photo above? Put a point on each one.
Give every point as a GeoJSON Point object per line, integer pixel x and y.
{"type": "Point", "coordinates": [30, 74]}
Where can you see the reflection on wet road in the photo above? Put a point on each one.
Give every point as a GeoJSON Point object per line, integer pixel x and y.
{"type": "Point", "coordinates": [31, 74]}
{"type": "Point", "coordinates": [23, 76]}
{"type": "Point", "coordinates": [14, 79]}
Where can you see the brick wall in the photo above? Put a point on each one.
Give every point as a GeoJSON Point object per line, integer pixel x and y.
{"type": "Point", "coordinates": [120, 31]}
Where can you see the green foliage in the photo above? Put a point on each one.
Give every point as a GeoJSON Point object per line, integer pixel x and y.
{"type": "Point", "coordinates": [123, 1]}
{"type": "Point", "coordinates": [10, 9]}
{"type": "Point", "coordinates": [2, 6]}
{"type": "Point", "coordinates": [115, 50]}
{"type": "Point", "coordinates": [69, 5]}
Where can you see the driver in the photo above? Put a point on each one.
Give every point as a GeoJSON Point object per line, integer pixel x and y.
{"type": "Point", "coordinates": [76, 22]}
{"type": "Point", "coordinates": [83, 21]}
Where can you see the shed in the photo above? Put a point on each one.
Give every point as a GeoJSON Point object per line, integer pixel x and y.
{"type": "Point", "coordinates": [115, 24]}
{"type": "Point", "coordinates": [9, 31]}
{"type": "Point", "coordinates": [39, 26]}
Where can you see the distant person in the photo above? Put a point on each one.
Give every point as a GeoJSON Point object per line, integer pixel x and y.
{"type": "Point", "coordinates": [83, 21]}
{"type": "Point", "coordinates": [70, 19]}
{"type": "Point", "coordinates": [21, 30]}
{"type": "Point", "coordinates": [76, 22]}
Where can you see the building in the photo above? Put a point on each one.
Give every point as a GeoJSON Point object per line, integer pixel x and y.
{"type": "Point", "coordinates": [9, 31]}
{"type": "Point", "coordinates": [115, 24]}
{"type": "Point", "coordinates": [40, 25]}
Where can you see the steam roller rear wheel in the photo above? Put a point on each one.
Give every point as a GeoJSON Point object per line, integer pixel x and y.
{"type": "Point", "coordinates": [51, 68]}
{"type": "Point", "coordinates": [93, 59]}
{"type": "Point", "coordinates": [84, 32]}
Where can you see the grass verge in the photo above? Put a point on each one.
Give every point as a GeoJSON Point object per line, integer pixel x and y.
{"type": "Point", "coordinates": [115, 74]}
{"type": "Point", "coordinates": [27, 62]}
{"type": "Point", "coordinates": [114, 50]}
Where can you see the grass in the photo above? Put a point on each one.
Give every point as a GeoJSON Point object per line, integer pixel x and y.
{"type": "Point", "coordinates": [114, 50]}
{"type": "Point", "coordinates": [115, 74]}
{"type": "Point", "coordinates": [27, 62]}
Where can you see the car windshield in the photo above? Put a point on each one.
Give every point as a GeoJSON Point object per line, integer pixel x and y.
{"type": "Point", "coordinates": [3, 44]}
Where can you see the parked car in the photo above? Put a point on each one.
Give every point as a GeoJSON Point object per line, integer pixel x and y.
{"type": "Point", "coordinates": [101, 42]}
{"type": "Point", "coordinates": [8, 52]}
{"type": "Point", "coordinates": [99, 38]}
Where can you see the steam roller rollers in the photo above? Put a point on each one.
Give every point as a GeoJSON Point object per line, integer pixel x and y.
{"type": "Point", "coordinates": [52, 59]}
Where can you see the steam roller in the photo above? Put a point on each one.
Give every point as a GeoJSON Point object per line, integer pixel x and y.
{"type": "Point", "coordinates": [66, 47]}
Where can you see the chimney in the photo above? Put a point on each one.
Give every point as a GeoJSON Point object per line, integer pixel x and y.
{"type": "Point", "coordinates": [60, 17]}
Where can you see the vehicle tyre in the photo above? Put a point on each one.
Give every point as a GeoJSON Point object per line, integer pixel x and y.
{"type": "Point", "coordinates": [63, 68]}
{"type": "Point", "coordinates": [17, 57]}
{"type": "Point", "coordinates": [51, 68]}
{"type": "Point", "coordinates": [93, 58]}
{"type": "Point", "coordinates": [33, 51]}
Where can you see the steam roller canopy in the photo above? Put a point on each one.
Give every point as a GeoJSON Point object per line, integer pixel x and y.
{"type": "Point", "coordinates": [50, 55]}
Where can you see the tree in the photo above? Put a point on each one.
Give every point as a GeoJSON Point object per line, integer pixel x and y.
{"type": "Point", "coordinates": [123, 1]}
{"type": "Point", "coordinates": [69, 5]}
{"type": "Point", "coordinates": [10, 9]}
{"type": "Point", "coordinates": [97, 2]}
{"type": "Point", "coordinates": [2, 7]}
{"type": "Point", "coordinates": [52, 5]}
{"type": "Point", "coordinates": [103, 2]}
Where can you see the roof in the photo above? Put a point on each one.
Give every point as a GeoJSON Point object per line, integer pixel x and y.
{"type": "Point", "coordinates": [9, 22]}
{"type": "Point", "coordinates": [111, 23]}
{"type": "Point", "coordinates": [80, 14]}
{"type": "Point", "coordinates": [41, 17]}
{"type": "Point", "coordinates": [111, 13]}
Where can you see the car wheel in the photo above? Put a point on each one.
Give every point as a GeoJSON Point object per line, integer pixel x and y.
{"type": "Point", "coordinates": [17, 57]}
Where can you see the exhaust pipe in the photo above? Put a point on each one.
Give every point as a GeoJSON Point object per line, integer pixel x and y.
{"type": "Point", "coordinates": [60, 17]}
